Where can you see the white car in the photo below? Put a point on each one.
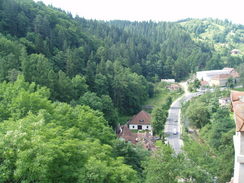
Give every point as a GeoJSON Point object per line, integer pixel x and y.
{"type": "Point", "coordinates": [175, 131]}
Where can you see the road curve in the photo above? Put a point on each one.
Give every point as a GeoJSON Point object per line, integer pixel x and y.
{"type": "Point", "coordinates": [172, 127]}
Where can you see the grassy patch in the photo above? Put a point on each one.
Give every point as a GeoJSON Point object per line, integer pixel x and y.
{"type": "Point", "coordinates": [238, 89]}
{"type": "Point", "coordinates": [159, 144]}
{"type": "Point", "coordinates": [161, 94]}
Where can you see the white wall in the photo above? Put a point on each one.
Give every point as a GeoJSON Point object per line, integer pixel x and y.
{"type": "Point", "coordinates": [239, 157]}
{"type": "Point", "coordinates": [207, 75]}
{"type": "Point", "coordinates": [144, 127]}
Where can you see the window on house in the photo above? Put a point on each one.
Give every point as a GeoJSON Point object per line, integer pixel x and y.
{"type": "Point", "coordinates": [133, 126]}
{"type": "Point", "coordinates": [147, 126]}
{"type": "Point", "coordinates": [141, 120]}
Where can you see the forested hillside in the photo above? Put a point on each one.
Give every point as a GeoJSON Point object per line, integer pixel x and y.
{"type": "Point", "coordinates": [223, 36]}
{"type": "Point", "coordinates": [74, 56]}
{"type": "Point", "coordinates": [64, 81]}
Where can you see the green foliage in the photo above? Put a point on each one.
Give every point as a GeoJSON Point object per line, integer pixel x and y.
{"type": "Point", "coordinates": [133, 155]}
{"type": "Point", "coordinates": [222, 36]}
{"type": "Point", "coordinates": [210, 149]}
{"type": "Point", "coordinates": [20, 98]}
{"type": "Point", "coordinates": [107, 66]}
{"type": "Point", "coordinates": [193, 86]}
{"type": "Point", "coordinates": [159, 117]}
{"type": "Point", "coordinates": [202, 161]}
{"type": "Point", "coordinates": [162, 166]}
{"type": "Point", "coordinates": [198, 114]}
{"type": "Point", "coordinates": [54, 142]}
{"type": "Point", "coordinates": [240, 70]}
{"type": "Point", "coordinates": [103, 104]}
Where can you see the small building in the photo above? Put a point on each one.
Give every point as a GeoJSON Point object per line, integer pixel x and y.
{"type": "Point", "coordinates": [168, 80]}
{"type": "Point", "coordinates": [235, 52]}
{"type": "Point", "coordinates": [173, 87]}
{"type": "Point", "coordinates": [220, 80]}
{"type": "Point", "coordinates": [141, 121]}
{"type": "Point", "coordinates": [218, 77]}
{"type": "Point", "coordinates": [208, 75]}
{"type": "Point", "coordinates": [224, 101]}
{"type": "Point", "coordinates": [145, 139]}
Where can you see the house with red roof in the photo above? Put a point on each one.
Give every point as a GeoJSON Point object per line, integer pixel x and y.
{"type": "Point", "coordinates": [125, 134]}
{"type": "Point", "coordinates": [145, 139]}
{"type": "Point", "coordinates": [141, 121]}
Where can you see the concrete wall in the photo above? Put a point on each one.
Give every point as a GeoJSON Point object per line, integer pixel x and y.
{"type": "Point", "coordinates": [207, 75]}
{"type": "Point", "coordinates": [239, 157]}
{"type": "Point", "coordinates": [144, 127]}
{"type": "Point", "coordinates": [221, 82]}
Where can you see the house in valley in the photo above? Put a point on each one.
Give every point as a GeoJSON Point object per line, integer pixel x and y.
{"type": "Point", "coordinates": [141, 121]}
{"type": "Point", "coordinates": [218, 77]}
{"type": "Point", "coordinates": [145, 139]}
{"type": "Point", "coordinates": [219, 80]}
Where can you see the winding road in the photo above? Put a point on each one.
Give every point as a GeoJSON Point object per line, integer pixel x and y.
{"type": "Point", "coordinates": [173, 126]}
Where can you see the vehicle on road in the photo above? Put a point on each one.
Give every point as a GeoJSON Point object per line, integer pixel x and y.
{"type": "Point", "coordinates": [175, 131]}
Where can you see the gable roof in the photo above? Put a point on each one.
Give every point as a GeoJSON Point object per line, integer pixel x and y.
{"type": "Point", "coordinates": [236, 95]}
{"type": "Point", "coordinates": [127, 135]}
{"type": "Point", "coordinates": [237, 99]}
{"type": "Point", "coordinates": [145, 139]}
{"type": "Point", "coordinates": [221, 76]}
{"type": "Point", "coordinates": [142, 118]}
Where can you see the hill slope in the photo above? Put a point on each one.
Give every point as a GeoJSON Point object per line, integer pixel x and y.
{"type": "Point", "coordinates": [223, 36]}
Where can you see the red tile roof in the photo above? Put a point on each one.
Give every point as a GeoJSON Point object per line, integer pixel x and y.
{"type": "Point", "coordinates": [236, 95]}
{"type": "Point", "coordinates": [173, 87]}
{"type": "Point", "coordinates": [221, 76]}
{"type": "Point", "coordinates": [232, 71]}
{"type": "Point", "coordinates": [142, 118]}
{"type": "Point", "coordinates": [127, 135]}
{"type": "Point", "coordinates": [235, 74]}
{"type": "Point", "coordinates": [237, 99]}
{"type": "Point", "coordinates": [204, 83]}
{"type": "Point", "coordinates": [145, 139]}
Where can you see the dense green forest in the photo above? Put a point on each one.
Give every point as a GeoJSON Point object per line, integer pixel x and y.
{"type": "Point", "coordinates": [211, 145]}
{"type": "Point", "coordinates": [65, 80]}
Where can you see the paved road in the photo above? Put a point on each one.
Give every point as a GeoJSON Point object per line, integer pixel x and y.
{"type": "Point", "coordinates": [172, 126]}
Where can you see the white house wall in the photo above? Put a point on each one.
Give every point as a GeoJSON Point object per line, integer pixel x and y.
{"type": "Point", "coordinates": [144, 127]}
